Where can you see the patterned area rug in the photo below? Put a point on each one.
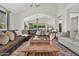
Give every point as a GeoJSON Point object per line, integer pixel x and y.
{"type": "Point", "coordinates": [63, 51]}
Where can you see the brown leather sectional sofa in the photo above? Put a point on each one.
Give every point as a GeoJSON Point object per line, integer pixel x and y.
{"type": "Point", "coordinates": [11, 46]}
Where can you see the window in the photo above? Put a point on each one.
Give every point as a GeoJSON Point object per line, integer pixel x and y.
{"type": "Point", "coordinates": [3, 20]}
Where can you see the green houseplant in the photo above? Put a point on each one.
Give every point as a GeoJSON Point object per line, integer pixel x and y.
{"type": "Point", "coordinates": [2, 26]}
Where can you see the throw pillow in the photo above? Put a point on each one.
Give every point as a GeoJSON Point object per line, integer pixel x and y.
{"type": "Point", "coordinates": [18, 33]}
{"type": "Point", "coordinates": [4, 39]}
{"type": "Point", "coordinates": [11, 35]}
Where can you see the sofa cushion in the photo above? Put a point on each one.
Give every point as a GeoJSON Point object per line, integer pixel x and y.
{"type": "Point", "coordinates": [11, 44]}
{"type": "Point", "coordinates": [4, 39]}
{"type": "Point", "coordinates": [18, 33]}
{"type": "Point", "coordinates": [10, 34]}
{"type": "Point", "coordinates": [24, 32]}
{"type": "Point", "coordinates": [1, 33]}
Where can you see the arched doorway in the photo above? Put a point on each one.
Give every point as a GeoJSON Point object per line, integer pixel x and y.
{"type": "Point", "coordinates": [40, 18]}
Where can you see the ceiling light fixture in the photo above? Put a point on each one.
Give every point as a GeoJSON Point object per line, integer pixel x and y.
{"type": "Point", "coordinates": [34, 4]}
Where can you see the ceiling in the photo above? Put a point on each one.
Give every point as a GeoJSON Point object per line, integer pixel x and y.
{"type": "Point", "coordinates": [15, 7]}
{"type": "Point", "coordinates": [74, 8]}
{"type": "Point", "coordinates": [39, 16]}
{"type": "Point", "coordinates": [20, 7]}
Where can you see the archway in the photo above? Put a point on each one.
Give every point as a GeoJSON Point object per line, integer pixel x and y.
{"type": "Point", "coordinates": [42, 18]}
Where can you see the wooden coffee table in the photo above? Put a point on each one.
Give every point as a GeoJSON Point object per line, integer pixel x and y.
{"type": "Point", "coordinates": [41, 50]}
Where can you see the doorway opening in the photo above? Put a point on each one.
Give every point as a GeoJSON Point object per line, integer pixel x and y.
{"type": "Point", "coordinates": [60, 27]}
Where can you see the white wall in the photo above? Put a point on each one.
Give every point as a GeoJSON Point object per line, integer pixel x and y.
{"type": "Point", "coordinates": [13, 21]}
{"type": "Point", "coordinates": [51, 10]}
{"type": "Point", "coordinates": [47, 10]}
{"type": "Point", "coordinates": [72, 15]}
{"type": "Point", "coordinates": [62, 13]}
{"type": "Point", "coordinates": [73, 11]}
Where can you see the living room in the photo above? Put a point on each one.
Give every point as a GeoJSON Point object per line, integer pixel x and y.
{"type": "Point", "coordinates": [26, 24]}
